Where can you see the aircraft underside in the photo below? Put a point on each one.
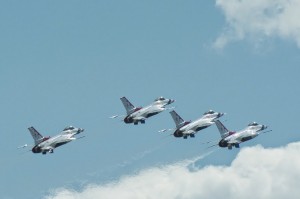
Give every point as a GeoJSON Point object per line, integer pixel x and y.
{"type": "Point", "coordinates": [49, 150]}
{"type": "Point", "coordinates": [151, 114]}
{"type": "Point", "coordinates": [129, 119]}
{"type": "Point", "coordinates": [179, 133]}
{"type": "Point", "coordinates": [244, 139]}
{"type": "Point", "coordinates": [60, 143]}
{"type": "Point", "coordinates": [224, 143]}
{"type": "Point", "coordinates": [201, 128]}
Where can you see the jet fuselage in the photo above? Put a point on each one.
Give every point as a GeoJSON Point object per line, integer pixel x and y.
{"type": "Point", "coordinates": [48, 144]}
{"type": "Point", "coordinates": [139, 114]}
{"type": "Point", "coordinates": [235, 138]}
{"type": "Point", "coordinates": [192, 127]}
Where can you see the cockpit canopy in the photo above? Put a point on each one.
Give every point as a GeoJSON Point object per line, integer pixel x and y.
{"type": "Point", "coordinates": [69, 128]}
{"type": "Point", "coordinates": [253, 124]}
{"type": "Point", "coordinates": [159, 99]}
{"type": "Point", "coordinates": [209, 112]}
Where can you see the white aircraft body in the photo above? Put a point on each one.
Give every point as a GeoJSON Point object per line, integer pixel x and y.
{"type": "Point", "coordinates": [231, 138]}
{"type": "Point", "coordinates": [140, 114]}
{"type": "Point", "coordinates": [48, 144]}
{"type": "Point", "coordinates": [190, 128]}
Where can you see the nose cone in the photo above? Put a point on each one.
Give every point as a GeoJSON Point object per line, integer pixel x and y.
{"type": "Point", "coordinates": [171, 101]}
{"type": "Point", "coordinates": [220, 114]}
{"type": "Point", "coordinates": [80, 130]}
{"type": "Point", "coordinates": [263, 127]}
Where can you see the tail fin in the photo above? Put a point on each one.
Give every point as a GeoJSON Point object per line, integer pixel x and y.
{"type": "Point", "coordinates": [177, 119]}
{"type": "Point", "coordinates": [128, 106]}
{"type": "Point", "coordinates": [222, 129]}
{"type": "Point", "coordinates": [38, 138]}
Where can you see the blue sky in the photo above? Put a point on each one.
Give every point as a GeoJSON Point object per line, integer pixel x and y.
{"type": "Point", "coordinates": [68, 63]}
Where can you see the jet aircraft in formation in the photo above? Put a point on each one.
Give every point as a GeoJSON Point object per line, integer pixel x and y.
{"type": "Point", "coordinates": [135, 115]}
{"type": "Point", "coordinates": [48, 144]}
{"type": "Point", "coordinates": [231, 138]}
{"type": "Point", "coordinates": [140, 114]}
{"type": "Point", "coordinates": [190, 128]}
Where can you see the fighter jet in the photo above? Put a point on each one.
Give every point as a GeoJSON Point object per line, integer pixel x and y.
{"type": "Point", "coordinates": [140, 114]}
{"type": "Point", "coordinates": [231, 138]}
{"type": "Point", "coordinates": [189, 128]}
{"type": "Point", "coordinates": [48, 144]}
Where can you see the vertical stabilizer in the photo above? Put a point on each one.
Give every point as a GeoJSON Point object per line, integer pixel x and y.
{"type": "Point", "coordinates": [38, 138]}
{"type": "Point", "coordinates": [222, 129]}
{"type": "Point", "coordinates": [177, 119]}
{"type": "Point", "coordinates": [128, 106]}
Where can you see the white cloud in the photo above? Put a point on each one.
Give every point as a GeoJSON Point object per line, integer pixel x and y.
{"type": "Point", "coordinates": [255, 173]}
{"type": "Point", "coordinates": [259, 19]}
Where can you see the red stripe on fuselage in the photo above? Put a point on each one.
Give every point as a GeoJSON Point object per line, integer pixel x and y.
{"type": "Point", "coordinates": [46, 138]}
{"type": "Point", "coordinates": [137, 109]}
{"type": "Point", "coordinates": [186, 123]}
{"type": "Point", "coordinates": [231, 133]}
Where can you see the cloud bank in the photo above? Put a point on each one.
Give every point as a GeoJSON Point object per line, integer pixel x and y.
{"type": "Point", "coordinates": [259, 19]}
{"type": "Point", "coordinates": [255, 173]}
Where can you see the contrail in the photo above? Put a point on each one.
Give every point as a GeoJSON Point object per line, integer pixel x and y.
{"type": "Point", "coordinates": [187, 162]}
{"type": "Point", "coordinates": [143, 154]}
{"type": "Point", "coordinates": [131, 159]}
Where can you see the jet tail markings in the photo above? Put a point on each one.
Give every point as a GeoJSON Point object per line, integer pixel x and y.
{"type": "Point", "coordinates": [38, 138]}
{"type": "Point", "coordinates": [128, 105]}
{"type": "Point", "coordinates": [222, 129]}
{"type": "Point", "coordinates": [177, 119]}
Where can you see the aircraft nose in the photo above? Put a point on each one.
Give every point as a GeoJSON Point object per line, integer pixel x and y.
{"type": "Point", "coordinates": [264, 127]}
{"type": "Point", "coordinates": [171, 101]}
{"type": "Point", "coordinates": [80, 130]}
{"type": "Point", "coordinates": [220, 114]}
